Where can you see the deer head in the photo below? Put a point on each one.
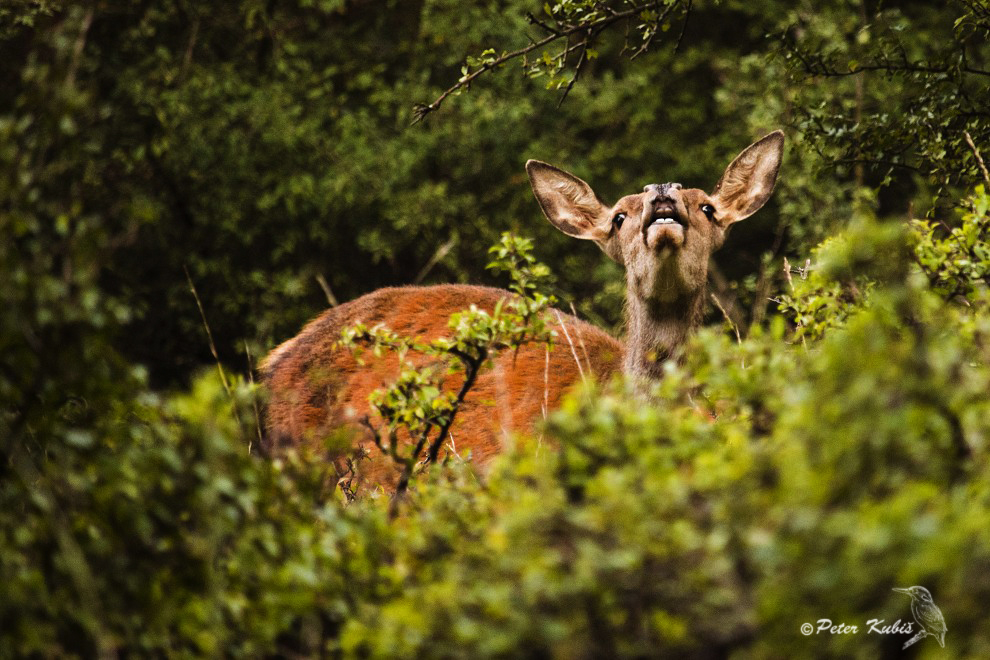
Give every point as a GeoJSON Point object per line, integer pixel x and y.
{"type": "Point", "coordinates": [663, 237]}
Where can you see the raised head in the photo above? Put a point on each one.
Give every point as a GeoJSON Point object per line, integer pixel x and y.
{"type": "Point", "coordinates": [663, 237]}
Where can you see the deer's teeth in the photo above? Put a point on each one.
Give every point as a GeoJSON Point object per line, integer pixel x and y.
{"type": "Point", "coordinates": [664, 221]}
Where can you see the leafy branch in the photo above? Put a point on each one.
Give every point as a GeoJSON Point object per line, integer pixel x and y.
{"type": "Point", "coordinates": [578, 24]}
{"type": "Point", "coordinates": [815, 63]}
{"type": "Point", "coordinates": [417, 405]}
{"type": "Point", "coordinates": [957, 265]}
{"type": "Point", "coordinates": [947, 83]}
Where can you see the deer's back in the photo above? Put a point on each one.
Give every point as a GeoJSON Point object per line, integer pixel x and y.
{"type": "Point", "coordinates": [316, 386]}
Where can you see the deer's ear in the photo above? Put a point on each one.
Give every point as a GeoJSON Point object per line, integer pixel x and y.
{"type": "Point", "coordinates": [748, 181]}
{"type": "Point", "coordinates": [568, 202]}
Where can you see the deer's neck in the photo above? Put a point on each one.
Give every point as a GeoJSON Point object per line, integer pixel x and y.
{"type": "Point", "coordinates": [656, 330]}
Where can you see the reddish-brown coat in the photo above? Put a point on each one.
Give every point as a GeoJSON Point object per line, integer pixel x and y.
{"type": "Point", "coordinates": [316, 387]}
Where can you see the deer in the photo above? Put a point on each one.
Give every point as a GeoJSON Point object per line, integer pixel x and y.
{"type": "Point", "coordinates": [662, 236]}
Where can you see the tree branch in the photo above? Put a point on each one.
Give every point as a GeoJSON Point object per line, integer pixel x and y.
{"type": "Point", "coordinates": [471, 374]}
{"type": "Point", "coordinates": [420, 111]}
{"type": "Point", "coordinates": [979, 158]}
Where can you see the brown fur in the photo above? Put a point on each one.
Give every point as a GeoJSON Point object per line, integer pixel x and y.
{"type": "Point", "coordinates": [316, 387]}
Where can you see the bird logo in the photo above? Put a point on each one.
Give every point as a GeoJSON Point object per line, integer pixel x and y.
{"type": "Point", "coordinates": [927, 614]}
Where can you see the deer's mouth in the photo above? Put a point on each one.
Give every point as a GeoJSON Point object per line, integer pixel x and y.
{"type": "Point", "coordinates": [663, 227]}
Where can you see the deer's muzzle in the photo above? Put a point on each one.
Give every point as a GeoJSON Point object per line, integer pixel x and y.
{"type": "Point", "coordinates": [663, 225]}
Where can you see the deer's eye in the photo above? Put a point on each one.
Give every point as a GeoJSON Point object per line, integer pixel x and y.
{"type": "Point", "coordinates": [617, 220]}
{"type": "Point", "coordinates": [708, 210]}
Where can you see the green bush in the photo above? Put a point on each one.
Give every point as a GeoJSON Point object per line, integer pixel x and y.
{"type": "Point", "coordinates": [837, 469]}
{"type": "Point", "coordinates": [800, 470]}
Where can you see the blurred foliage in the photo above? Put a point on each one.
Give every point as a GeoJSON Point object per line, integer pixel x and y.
{"type": "Point", "coordinates": [265, 147]}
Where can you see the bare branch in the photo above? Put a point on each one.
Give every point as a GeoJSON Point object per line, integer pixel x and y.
{"type": "Point", "coordinates": [819, 65]}
{"type": "Point", "coordinates": [687, 16]}
{"type": "Point", "coordinates": [437, 257]}
{"type": "Point", "coordinates": [213, 350]}
{"type": "Point", "coordinates": [77, 48]}
{"type": "Point", "coordinates": [254, 398]}
{"type": "Point", "coordinates": [470, 374]}
{"type": "Point", "coordinates": [190, 47]}
{"type": "Point", "coordinates": [563, 326]}
{"type": "Point", "coordinates": [649, 40]}
{"type": "Point", "coordinates": [979, 158]}
{"type": "Point", "coordinates": [209, 334]}
{"type": "Point", "coordinates": [577, 72]}
{"type": "Point", "coordinates": [327, 291]}
{"type": "Point", "coordinates": [533, 20]}
{"type": "Point", "coordinates": [725, 314]}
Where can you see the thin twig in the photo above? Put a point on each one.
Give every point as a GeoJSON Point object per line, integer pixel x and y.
{"type": "Point", "coordinates": [979, 158]}
{"type": "Point", "coordinates": [471, 373]}
{"type": "Point", "coordinates": [817, 66]}
{"type": "Point", "coordinates": [77, 48]}
{"type": "Point", "coordinates": [680, 37]}
{"type": "Point", "coordinates": [726, 295]}
{"type": "Point", "coordinates": [580, 336]}
{"type": "Point", "coordinates": [732, 324]}
{"type": "Point", "coordinates": [254, 397]}
{"type": "Point", "coordinates": [543, 24]}
{"type": "Point", "coordinates": [420, 111]}
{"type": "Point", "coordinates": [577, 72]}
{"type": "Point", "coordinates": [190, 47]}
{"type": "Point", "coordinates": [504, 403]}
{"type": "Point", "coordinates": [209, 335]}
{"type": "Point", "coordinates": [601, 6]}
{"type": "Point", "coordinates": [452, 447]}
{"type": "Point", "coordinates": [376, 436]}
{"type": "Point", "coordinates": [546, 380]}
{"type": "Point", "coordinates": [625, 41]}
{"type": "Point", "coordinates": [322, 281]}
{"type": "Point", "coordinates": [571, 344]}
{"type": "Point", "coordinates": [409, 465]}
{"type": "Point", "coordinates": [441, 252]}
{"type": "Point", "coordinates": [764, 280]}
{"type": "Point", "coordinates": [653, 33]}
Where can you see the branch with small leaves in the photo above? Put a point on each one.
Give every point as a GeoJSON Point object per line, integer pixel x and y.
{"type": "Point", "coordinates": [957, 265]}
{"type": "Point", "coordinates": [417, 406]}
{"type": "Point", "coordinates": [942, 91]}
{"type": "Point", "coordinates": [817, 301]}
{"type": "Point", "coordinates": [578, 24]}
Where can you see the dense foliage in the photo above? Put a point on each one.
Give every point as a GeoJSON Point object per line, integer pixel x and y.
{"type": "Point", "coordinates": [189, 178]}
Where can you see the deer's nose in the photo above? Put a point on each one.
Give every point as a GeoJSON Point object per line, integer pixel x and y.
{"type": "Point", "coordinates": [660, 192]}
{"type": "Point", "coordinates": [662, 188]}
{"type": "Point", "coordinates": [660, 202]}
